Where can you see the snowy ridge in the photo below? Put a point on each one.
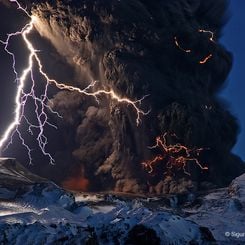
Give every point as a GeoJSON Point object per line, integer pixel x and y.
{"type": "Point", "coordinates": [222, 211]}
{"type": "Point", "coordinates": [39, 212]}
{"type": "Point", "coordinates": [51, 215]}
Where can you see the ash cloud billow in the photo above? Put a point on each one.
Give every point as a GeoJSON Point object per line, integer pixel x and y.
{"type": "Point", "coordinates": [140, 47]}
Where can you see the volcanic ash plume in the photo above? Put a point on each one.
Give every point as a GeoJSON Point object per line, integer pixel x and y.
{"type": "Point", "coordinates": [168, 50]}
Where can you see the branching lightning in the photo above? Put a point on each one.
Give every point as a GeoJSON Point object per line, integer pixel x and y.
{"type": "Point", "coordinates": [179, 46]}
{"type": "Point", "coordinates": [205, 59]}
{"type": "Point", "coordinates": [211, 39]}
{"type": "Point", "coordinates": [41, 102]}
{"type": "Point", "coordinates": [174, 156]}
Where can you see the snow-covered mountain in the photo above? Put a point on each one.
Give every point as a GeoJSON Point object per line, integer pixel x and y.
{"type": "Point", "coordinates": [36, 211]}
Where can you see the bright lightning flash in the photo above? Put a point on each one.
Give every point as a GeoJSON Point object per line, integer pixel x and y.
{"type": "Point", "coordinates": [211, 39]}
{"type": "Point", "coordinates": [41, 102]}
{"type": "Point", "coordinates": [179, 46]}
{"type": "Point", "coordinates": [173, 156]}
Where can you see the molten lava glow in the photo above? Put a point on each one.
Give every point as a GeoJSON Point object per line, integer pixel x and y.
{"type": "Point", "coordinates": [41, 102]}
{"type": "Point", "coordinates": [174, 157]}
{"type": "Point", "coordinates": [76, 184]}
{"type": "Point", "coordinates": [211, 39]}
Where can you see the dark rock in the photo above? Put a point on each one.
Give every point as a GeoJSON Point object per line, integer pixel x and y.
{"type": "Point", "coordinates": [142, 235]}
{"type": "Point", "coordinates": [235, 205]}
{"type": "Point", "coordinates": [207, 235]}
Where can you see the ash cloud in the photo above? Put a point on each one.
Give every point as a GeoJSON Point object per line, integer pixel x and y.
{"type": "Point", "coordinates": [5, 2]}
{"type": "Point", "coordinates": [129, 46]}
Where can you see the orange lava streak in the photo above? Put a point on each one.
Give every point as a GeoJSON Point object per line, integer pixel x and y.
{"type": "Point", "coordinates": [176, 155]}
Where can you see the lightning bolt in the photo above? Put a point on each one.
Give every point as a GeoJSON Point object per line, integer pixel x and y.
{"type": "Point", "coordinates": [211, 39]}
{"type": "Point", "coordinates": [179, 46]}
{"type": "Point", "coordinates": [41, 102]}
{"type": "Point", "coordinates": [205, 59]}
{"type": "Point", "coordinates": [174, 156]}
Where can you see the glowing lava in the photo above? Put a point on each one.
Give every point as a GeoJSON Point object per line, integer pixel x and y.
{"type": "Point", "coordinates": [41, 102]}
{"type": "Point", "coordinates": [78, 183]}
{"type": "Point", "coordinates": [174, 157]}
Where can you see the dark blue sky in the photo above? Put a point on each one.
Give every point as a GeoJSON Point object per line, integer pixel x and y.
{"type": "Point", "coordinates": [234, 40]}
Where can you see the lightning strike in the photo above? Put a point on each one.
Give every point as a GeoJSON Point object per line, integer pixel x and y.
{"type": "Point", "coordinates": [178, 45]}
{"type": "Point", "coordinates": [205, 59]}
{"type": "Point", "coordinates": [41, 102]}
{"type": "Point", "coordinates": [173, 156]}
{"type": "Point", "coordinates": [211, 39]}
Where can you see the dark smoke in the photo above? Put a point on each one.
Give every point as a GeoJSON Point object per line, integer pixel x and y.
{"type": "Point", "coordinates": [129, 45]}
{"type": "Point", "coordinates": [5, 2]}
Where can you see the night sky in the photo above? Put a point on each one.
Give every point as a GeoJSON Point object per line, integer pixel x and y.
{"type": "Point", "coordinates": [234, 40]}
